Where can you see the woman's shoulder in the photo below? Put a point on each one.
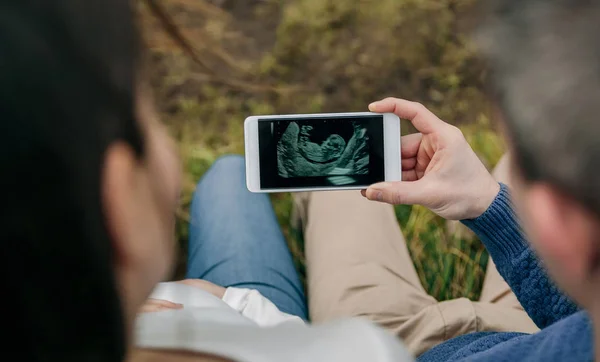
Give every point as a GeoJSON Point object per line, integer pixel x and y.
{"type": "Point", "coordinates": [220, 333]}
{"type": "Point", "coordinates": [151, 355]}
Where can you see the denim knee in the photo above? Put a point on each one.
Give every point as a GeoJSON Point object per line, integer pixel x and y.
{"type": "Point", "coordinates": [224, 170]}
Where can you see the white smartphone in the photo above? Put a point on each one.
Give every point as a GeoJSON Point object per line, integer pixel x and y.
{"type": "Point", "coordinates": [320, 152]}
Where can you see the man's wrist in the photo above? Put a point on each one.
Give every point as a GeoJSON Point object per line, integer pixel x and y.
{"type": "Point", "coordinates": [498, 228]}
{"type": "Point", "coordinates": [485, 200]}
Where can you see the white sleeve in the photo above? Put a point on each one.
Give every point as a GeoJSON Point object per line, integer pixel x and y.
{"type": "Point", "coordinates": [253, 305]}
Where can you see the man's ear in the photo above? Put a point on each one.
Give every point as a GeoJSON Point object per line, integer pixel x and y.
{"type": "Point", "coordinates": [564, 234]}
{"type": "Point", "coordinates": [118, 192]}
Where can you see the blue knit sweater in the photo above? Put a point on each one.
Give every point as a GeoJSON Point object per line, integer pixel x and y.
{"type": "Point", "coordinates": [566, 333]}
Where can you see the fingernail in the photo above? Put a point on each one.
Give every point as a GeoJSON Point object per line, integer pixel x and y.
{"type": "Point", "coordinates": [372, 105]}
{"type": "Point", "coordinates": [379, 196]}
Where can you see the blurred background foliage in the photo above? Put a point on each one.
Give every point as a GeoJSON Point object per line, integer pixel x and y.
{"type": "Point", "coordinates": [304, 56]}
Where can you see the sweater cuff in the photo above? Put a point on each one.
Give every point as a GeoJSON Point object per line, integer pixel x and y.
{"type": "Point", "coordinates": [499, 229]}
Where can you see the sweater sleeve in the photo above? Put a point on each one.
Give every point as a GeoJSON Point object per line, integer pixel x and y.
{"type": "Point", "coordinates": [500, 232]}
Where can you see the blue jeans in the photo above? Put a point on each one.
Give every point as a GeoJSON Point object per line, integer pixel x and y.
{"type": "Point", "coordinates": [235, 239]}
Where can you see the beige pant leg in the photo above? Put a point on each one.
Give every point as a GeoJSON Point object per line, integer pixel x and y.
{"type": "Point", "coordinates": [357, 261]}
{"type": "Point", "coordinates": [358, 265]}
{"type": "Point", "coordinates": [445, 320]}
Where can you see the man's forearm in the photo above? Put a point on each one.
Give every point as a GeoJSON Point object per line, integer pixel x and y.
{"type": "Point", "coordinates": [499, 230]}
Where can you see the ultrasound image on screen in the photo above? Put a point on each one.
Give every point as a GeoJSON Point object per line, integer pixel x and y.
{"type": "Point", "coordinates": [321, 152]}
{"type": "Point", "coordinates": [309, 149]}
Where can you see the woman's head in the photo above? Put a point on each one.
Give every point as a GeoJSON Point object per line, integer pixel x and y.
{"type": "Point", "coordinates": [89, 178]}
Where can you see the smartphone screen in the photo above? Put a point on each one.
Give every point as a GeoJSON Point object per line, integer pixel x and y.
{"type": "Point", "coordinates": [345, 151]}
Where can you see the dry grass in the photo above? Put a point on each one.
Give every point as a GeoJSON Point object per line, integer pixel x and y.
{"type": "Point", "coordinates": [301, 56]}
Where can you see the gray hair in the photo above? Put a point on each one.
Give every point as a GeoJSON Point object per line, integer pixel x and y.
{"type": "Point", "coordinates": [544, 57]}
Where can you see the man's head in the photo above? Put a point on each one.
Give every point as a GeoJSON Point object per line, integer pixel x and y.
{"type": "Point", "coordinates": [545, 62]}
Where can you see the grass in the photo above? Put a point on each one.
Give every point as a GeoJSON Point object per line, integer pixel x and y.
{"type": "Point", "coordinates": [301, 56]}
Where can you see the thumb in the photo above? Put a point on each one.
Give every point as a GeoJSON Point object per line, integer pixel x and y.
{"type": "Point", "coordinates": [397, 193]}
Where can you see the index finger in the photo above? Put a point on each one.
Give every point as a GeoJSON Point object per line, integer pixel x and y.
{"type": "Point", "coordinates": [422, 118]}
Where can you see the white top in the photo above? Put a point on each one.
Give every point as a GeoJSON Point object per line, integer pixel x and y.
{"type": "Point", "coordinates": [247, 327]}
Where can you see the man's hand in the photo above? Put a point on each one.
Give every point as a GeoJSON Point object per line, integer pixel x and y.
{"type": "Point", "coordinates": [439, 169]}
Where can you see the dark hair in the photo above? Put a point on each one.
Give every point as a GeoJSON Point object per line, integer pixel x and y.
{"type": "Point", "coordinates": [68, 83]}
{"type": "Point", "coordinates": [545, 61]}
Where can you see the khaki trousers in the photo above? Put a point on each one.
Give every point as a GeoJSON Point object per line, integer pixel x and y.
{"type": "Point", "coordinates": [358, 265]}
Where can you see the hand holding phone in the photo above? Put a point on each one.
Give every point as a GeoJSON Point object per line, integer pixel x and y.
{"type": "Point", "coordinates": [317, 152]}
{"type": "Point", "coordinates": [440, 170]}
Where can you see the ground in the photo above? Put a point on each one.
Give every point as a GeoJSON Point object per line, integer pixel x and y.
{"type": "Point", "coordinates": [302, 56]}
